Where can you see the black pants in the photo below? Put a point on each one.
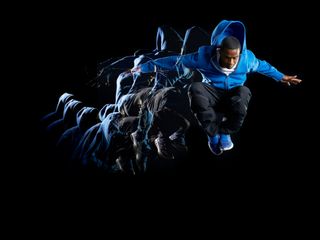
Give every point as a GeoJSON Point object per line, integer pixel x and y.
{"type": "Point", "coordinates": [206, 102]}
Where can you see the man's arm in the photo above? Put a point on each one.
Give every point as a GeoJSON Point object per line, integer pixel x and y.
{"type": "Point", "coordinates": [170, 63]}
{"type": "Point", "coordinates": [263, 67]}
{"type": "Point", "coordinates": [167, 63]}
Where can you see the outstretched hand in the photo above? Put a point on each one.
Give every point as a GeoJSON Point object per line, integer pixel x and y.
{"type": "Point", "coordinates": [290, 80]}
{"type": "Point", "coordinates": [135, 70]}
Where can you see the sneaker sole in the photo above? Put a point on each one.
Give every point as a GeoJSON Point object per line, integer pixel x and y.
{"type": "Point", "coordinates": [217, 154]}
{"type": "Point", "coordinates": [228, 148]}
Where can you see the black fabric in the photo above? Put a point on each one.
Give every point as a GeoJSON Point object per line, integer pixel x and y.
{"type": "Point", "coordinates": [205, 101]}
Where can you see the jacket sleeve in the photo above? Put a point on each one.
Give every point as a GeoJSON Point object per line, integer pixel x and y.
{"type": "Point", "coordinates": [171, 63]}
{"type": "Point", "coordinates": [168, 63]}
{"type": "Point", "coordinates": [262, 67]}
{"type": "Point", "coordinates": [190, 60]}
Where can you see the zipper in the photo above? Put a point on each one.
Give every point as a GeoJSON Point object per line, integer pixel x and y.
{"type": "Point", "coordinates": [217, 68]}
{"type": "Point", "coordinates": [227, 76]}
{"type": "Point", "coordinates": [226, 83]}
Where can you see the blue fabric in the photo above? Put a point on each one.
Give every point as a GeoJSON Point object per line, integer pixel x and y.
{"type": "Point", "coordinates": [205, 60]}
{"type": "Point", "coordinates": [168, 42]}
{"type": "Point", "coordinates": [214, 144]}
{"type": "Point", "coordinates": [226, 142]}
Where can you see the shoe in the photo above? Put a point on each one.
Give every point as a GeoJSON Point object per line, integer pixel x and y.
{"type": "Point", "coordinates": [136, 142]}
{"type": "Point", "coordinates": [163, 148]}
{"type": "Point", "coordinates": [178, 143]}
{"type": "Point", "coordinates": [124, 164]}
{"type": "Point", "coordinates": [225, 142]}
{"type": "Point", "coordinates": [142, 149]}
{"type": "Point", "coordinates": [214, 144]}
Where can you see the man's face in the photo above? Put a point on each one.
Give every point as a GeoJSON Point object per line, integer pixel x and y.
{"type": "Point", "coordinates": [229, 57]}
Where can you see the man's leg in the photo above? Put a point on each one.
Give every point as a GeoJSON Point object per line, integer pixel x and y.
{"type": "Point", "coordinates": [237, 101]}
{"type": "Point", "coordinates": [238, 98]}
{"type": "Point", "coordinates": [172, 127]}
{"type": "Point", "coordinates": [203, 99]}
{"type": "Point", "coordinates": [140, 137]}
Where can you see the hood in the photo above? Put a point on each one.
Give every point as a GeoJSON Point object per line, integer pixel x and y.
{"type": "Point", "coordinates": [229, 28]}
{"type": "Point", "coordinates": [130, 104]}
{"type": "Point", "coordinates": [193, 39]}
{"type": "Point", "coordinates": [64, 98]}
{"type": "Point", "coordinates": [168, 39]}
{"type": "Point", "coordinates": [105, 110]}
{"type": "Point", "coordinates": [70, 111]}
{"type": "Point", "coordinates": [87, 117]}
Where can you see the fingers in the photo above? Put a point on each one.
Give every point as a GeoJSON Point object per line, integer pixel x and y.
{"type": "Point", "coordinates": [135, 70]}
{"type": "Point", "coordinates": [292, 80]}
{"type": "Point", "coordinates": [296, 81]}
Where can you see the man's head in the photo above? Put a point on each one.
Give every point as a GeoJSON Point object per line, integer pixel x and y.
{"type": "Point", "coordinates": [229, 52]}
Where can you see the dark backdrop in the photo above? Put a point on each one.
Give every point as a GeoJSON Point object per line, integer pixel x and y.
{"type": "Point", "coordinates": [64, 43]}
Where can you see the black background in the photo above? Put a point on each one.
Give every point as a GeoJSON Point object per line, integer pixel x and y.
{"type": "Point", "coordinates": [52, 47]}
{"type": "Point", "coordinates": [62, 44]}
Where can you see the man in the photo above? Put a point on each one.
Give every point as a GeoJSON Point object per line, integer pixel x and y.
{"type": "Point", "coordinates": [162, 100]}
{"type": "Point", "coordinates": [224, 66]}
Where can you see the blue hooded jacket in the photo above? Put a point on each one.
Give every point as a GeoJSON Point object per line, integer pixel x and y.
{"type": "Point", "coordinates": [205, 60]}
